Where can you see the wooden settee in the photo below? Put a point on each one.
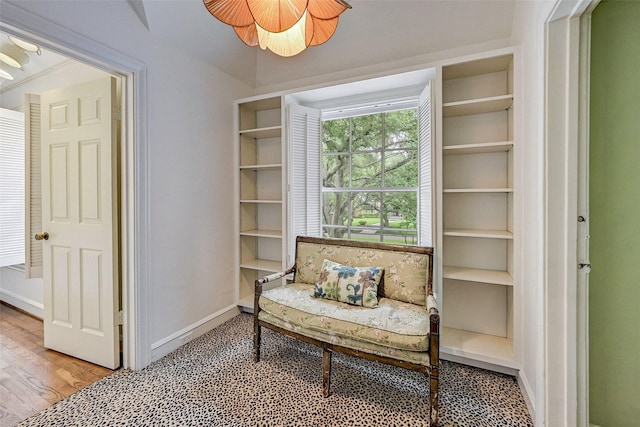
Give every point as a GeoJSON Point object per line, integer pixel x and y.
{"type": "Point", "coordinates": [402, 330]}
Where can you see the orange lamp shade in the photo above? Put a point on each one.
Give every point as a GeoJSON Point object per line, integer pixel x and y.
{"type": "Point", "coordinates": [286, 27]}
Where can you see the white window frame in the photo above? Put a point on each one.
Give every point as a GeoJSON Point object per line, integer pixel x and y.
{"type": "Point", "coordinates": [386, 106]}
{"type": "Point", "coordinates": [304, 189]}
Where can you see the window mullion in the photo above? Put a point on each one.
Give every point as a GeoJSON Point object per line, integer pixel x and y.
{"type": "Point", "coordinates": [382, 175]}
{"type": "Point", "coordinates": [349, 193]}
{"type": "Point", "coordinates": [382, 156]}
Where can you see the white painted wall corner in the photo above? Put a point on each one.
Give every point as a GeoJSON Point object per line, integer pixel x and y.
{"type": "Point", "coordinates": [176, 340]}
{"type": "Point", "coordinates": [527, 394]}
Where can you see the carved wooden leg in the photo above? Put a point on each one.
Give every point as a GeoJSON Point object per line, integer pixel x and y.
{"type": "Point", "coordinates": [256, 342]}
{"type": "Point", "coordinates": [256, 320]}
{"type": "Point", "coordinates": [326, 372]}
{"type": "Point", "coordinates": [433, 397]}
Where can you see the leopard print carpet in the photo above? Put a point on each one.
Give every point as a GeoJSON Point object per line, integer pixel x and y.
{"type": "Point", "coordinates": [212, 381]}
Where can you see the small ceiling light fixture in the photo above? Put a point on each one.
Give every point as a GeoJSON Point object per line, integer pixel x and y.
{"type": "Point", "coordinates": [5, 71]}
{"type": "Point", "coordinates": [29, 47]}
{"type": "Point", "coordinates": [13, 55]}
{"type": "Point", "coordinates": [286, 27]}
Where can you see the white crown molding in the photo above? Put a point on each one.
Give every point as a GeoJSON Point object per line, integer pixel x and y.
{"type": "Point", "coordinates": [43, 73]}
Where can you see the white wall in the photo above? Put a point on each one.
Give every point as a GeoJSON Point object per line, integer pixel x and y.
{"type": "Point", "coordinates": [375, 36]}
{"type": "Point", "coordinates": [26, 294]}
{"type": "Point", "coordinates": [190, 134]}
{"type": "Point", "coordinates": [529, 33]}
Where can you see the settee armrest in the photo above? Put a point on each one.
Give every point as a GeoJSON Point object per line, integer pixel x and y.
{"type": "Point", "coordinates": [270, 278]}
{"type": "Point", "coordinates": [432, 306]}
{"type": "Point", "coordinates": [434, 314]}
{"type": "Point", "coordinates": [275, 276]}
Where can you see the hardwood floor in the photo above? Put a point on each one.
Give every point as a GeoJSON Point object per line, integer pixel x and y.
{"type": "Point", "coordinates": [32, 378]}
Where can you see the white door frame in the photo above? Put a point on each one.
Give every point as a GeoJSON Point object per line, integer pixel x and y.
{"type": "Point", "coordinates": [566, 387]}
{"type": "Point", "coordinates": [133, 162]}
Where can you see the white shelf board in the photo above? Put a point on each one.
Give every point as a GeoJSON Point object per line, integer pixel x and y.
{"type": "Point", "coordinates": [487, 348]}
{"type": "Point", "coordinates": [478, 190]}
{"type": "Point", "coordinates": [479, 148]}
{"type": "Point", "coordinates": [261, 201]}
{"type": "Point", "coordinates": [246, 302]}
{"type": "Point", "coordinates": [262, 265]}
{"type": "Point", "coordinates": [262, 167]}
{"type": "Point", "coordinates": [479, 66]}
{"type": "Point", "coordinates": [261, 104]}
{"type": "Point", "coordinates": [477, 106]}
{"type": "Point", "coordinates": [263, 233]}
{"type": "Point", "coordinates": [266, 132]}
{"type": "Point", "coordinates": [495, 277]}
{"type": "Point", "coordinates": [489, 234]}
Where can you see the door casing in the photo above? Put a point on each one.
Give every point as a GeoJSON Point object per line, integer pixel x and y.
{"type": "Point", "coordinates": [133, 161]}
{"type": "Point", "coordinates": [564, 398]}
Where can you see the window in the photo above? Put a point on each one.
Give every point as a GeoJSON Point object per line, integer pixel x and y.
{"type": "Point", "coordinates": [12, 152]}
{"type": "Point", "coordinates": [361, 170]}
{"type": "Point", "coordinates": [370, 177]}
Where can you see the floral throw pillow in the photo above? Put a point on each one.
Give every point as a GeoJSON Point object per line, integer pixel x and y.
{"type": "Point", "coordinates": [352, 285]}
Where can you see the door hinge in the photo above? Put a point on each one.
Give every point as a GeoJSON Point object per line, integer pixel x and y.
{"type": "Point", "coordinates": [121, 317]}
{"type": "Point", "coordinates": [584, 266]}
{"type": "Point", "coordinates": [116, 112]}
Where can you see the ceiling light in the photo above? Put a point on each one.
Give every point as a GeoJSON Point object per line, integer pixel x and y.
{"type": "Point", "coordinates": [4, 72]}
{"type": "Point", "coordinates": [29, 47]}
{"type": "Point", "coordinates": [13, 56]}
{"type": "Point", "coordinates": [286, 27]}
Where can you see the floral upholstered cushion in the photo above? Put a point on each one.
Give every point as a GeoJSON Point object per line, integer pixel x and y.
{"type": "Point", "coordinates": [421, 357]}
{"type": "Point", "coordinates": [353, 285]}
{"type": "Point", "coordinates": [404, 275]}
{"type": "Point", "coordinates": [393, 324]}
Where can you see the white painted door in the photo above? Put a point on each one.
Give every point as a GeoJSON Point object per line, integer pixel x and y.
{"type": "Point", "coordinates": [79, 213]}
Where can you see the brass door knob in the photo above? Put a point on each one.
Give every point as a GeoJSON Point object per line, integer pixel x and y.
{"type": "Point", "coordinates": [42, 236]}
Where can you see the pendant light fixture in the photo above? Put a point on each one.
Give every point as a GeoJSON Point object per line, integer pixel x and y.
{"type": "Point", "coordinates": [285, 27]}
{"type": "Point", "coordinates": [13, 55]}
{"type": "Point", "coordinates": [5, 71]}
{"type": "Point", "coordinates": [27, 46]}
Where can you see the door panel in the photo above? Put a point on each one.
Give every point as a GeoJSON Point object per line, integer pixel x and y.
{"type": "Point", "coordinates": [59, 188]}
{"type": "Point", "coordinates": [79, 188]}
{"type": "Point", "coordinates": [90, 182]}
{"type": "Point", "coordinates": [61, 293]}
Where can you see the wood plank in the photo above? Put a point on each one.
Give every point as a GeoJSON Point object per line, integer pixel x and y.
{"type": "Point", "coordinates": [19, 409]}
{"type": "Point", "coordinates": [32, 377]}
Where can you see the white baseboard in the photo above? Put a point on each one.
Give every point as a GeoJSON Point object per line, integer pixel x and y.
{"type": "Point", "coordinates": [478, 364]}
{"type": "Point", "coordinates": [32, 307]}
{"type": "Point", "coordinates": [166, 345]}
{"type": "Point", "coordinates": [594, 425]}
{"type": "Point", "coordinates": [527, 393]}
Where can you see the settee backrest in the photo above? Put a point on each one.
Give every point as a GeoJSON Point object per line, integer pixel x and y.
{"type": "Point", "coordinates": [407, 270]}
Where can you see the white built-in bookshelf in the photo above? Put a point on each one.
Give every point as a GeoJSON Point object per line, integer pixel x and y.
{"type": "Point", "coordinates": [476, 203]}
{"type": "Point", "coordinates": [475, 192]}
{"type": "Point", "coordinates": [261, 193]}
